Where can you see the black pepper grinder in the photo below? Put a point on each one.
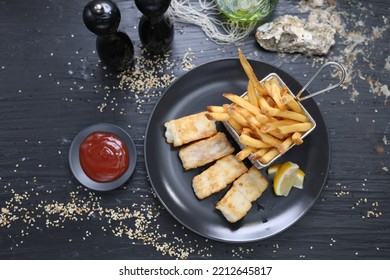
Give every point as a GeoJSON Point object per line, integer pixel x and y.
{"type": "Point", "coordinates": [114, 48]}
{"type": "Point", "coordinates": [155, 28]}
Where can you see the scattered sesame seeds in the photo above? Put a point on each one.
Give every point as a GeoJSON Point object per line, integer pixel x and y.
{"type": "Point", "coordinates": [129, 224]}
{"type": "Point", "coordinates": [372, 212]}
{"type": "Point", "coordinates": [343, 191]}
{"type": "Point", "coordinates": [151, 74]}
{"type": "Point", "coordinates": [186, 63]}
{"type": "Point", "coordinates": [102, 106]}
{"type": "Point", "coordinates": [139, 223]}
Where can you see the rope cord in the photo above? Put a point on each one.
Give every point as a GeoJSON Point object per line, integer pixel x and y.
{"type": "Point", "coordinates": [208, 17]}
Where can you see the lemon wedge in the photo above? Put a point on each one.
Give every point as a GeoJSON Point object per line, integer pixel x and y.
{"type": "Point", "coordinates": [298, 183]}
{"type": "Point", "coordinates": [272, 170]}
{"type": "Point", "coordinates": [285, 178]}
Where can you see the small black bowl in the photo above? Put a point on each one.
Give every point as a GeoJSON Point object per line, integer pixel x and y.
{"type": "Point", "coordinates": [74, 156]}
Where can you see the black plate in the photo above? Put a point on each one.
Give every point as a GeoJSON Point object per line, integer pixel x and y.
{"type": "Point", "coordinates": [74, 156]}
{"type": "Point", "coordinates": [270, 214]}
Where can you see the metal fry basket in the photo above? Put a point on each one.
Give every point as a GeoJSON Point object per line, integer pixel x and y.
{"type": "Point", "coordinates": [298, 98]}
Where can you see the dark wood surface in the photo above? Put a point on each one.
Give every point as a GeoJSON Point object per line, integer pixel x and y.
{"type": "Point", "coordinates": [52, 86]}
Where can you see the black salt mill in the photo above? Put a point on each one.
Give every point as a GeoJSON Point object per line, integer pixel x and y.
{"type": "Point", "coordinates": [114, 48]}
{"type": "Point", "coordinates": [155, 28]}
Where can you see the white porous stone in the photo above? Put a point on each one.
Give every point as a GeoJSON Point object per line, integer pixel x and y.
{"type": "Point", "coordinates": [292, 35]}
{"type": "Point", "coordinates": [315, 3]}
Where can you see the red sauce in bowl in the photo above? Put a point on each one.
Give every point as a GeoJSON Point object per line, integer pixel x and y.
{"type": "Point", "coordinates": [104, 157]}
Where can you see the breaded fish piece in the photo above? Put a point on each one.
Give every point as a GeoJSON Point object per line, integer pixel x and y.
{"type": "Point", "coordinates": [251, 184]}
{"type": "Point", "coordinates": [234, 206]}
{"type": "Point", "coordinates": [189, 128]}
{"type": "Point", "coordinates": [205, 151]}
{"type": "Point", "coordinates": [218, 176]}
{"type": "Point", "coordinates": [238, 200]}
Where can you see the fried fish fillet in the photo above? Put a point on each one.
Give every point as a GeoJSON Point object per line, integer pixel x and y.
{"type": "Point", "coordinates": [238, 200]}
{"type": "Point", "coordinates": [234, 206]}
{"type": "Point", "coordinates": [205, 151]}
{"type": "Point", "coordinates": [251, 184]}
{"type": "Point", "coordinates": [218, 176]}
{"type": "Point", "coordinates": [189, 128]}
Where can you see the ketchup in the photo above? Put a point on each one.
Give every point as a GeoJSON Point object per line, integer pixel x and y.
{"type": "Point", "coordinates": [103, 157]}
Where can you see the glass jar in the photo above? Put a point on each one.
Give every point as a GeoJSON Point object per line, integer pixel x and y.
{"type": "Point", "coordinates": [246, 11]}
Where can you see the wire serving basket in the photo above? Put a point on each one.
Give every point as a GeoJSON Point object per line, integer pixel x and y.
{"type": "Point", "coordinates": [258, 164]}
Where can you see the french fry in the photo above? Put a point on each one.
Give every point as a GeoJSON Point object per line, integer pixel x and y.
{"type": "Point", "coordinates": [294, 106]}
{"type": "Point", "coordinates": [252, 119]}
{"type": "Point", "coordinates": [285, 145]}
{"type": "Point", "coordinates": [267, 138]}
{"type": "Point", "coordinates": [278, 135]}
{"type": "Point", "coordinates": [216, 109]}
{"type": "Point", "coordinates": [297, 138]}
{"type": "Point", "coordinates": [271, 102]}
{"type": "Point", "coordinates": [242, 103]}
{"type": "Point", "coordinates": [290, 115]}
{"type": "Point", "coordinates": [267, 85]}
{"type": "Point", "coordinates": [255, 130]}
{"type": "Point", "coordinates": [236, 126]}
{"type": "Point", "coordinates": [259, 153]}
{"type": "Point", "coordinates": [246, 131]}
{"type": "Point", "coordinates": [244, 153]}
{"type": "Point", "coordinates": [249, 72]}
{"type": "Point", "coordinates": [262, 118]}
{"type": "Point", "coordinates": [252, 95]}
{"type": "Point", "coordinates": [242, 111]}
{"type": "Point", "coordinates": [266, 109]}
{"type": "Point", "coordinates": [269, 155]}
{"type": "Point", "coordinates": [237, 116]}
{"type": "Point", "coordinates": [275, 93]}
{"type": "Point", "coordinates": [286, 97]}
{"type": "Point", "coordinates": [291, 102]}
{"type": "Point", "coordinates": [298, 127]}
{"type": "Point", "coordinates": [250, 141]}
{"type": "Point", "coordinates": [271, 126]}
{"type": "Point", "coordinates": [217, 116]}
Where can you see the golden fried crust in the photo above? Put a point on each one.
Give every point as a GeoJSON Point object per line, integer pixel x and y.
{"type": "Point", "coordinates": [234, 206]}
{"type": "Point", "coordinates": [251, 184]}
{"type": "Point", "coordinates": [189, 128]}
{"type": "Point", "coordinates": [218, 176]}
{"type": "Point", "coordinates": [205, 151]}
{"type": "Point", "coordinates": [238, 200]}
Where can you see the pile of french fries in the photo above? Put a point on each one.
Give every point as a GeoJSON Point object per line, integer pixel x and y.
{"type": "Point", "coordinates": [267, 118]}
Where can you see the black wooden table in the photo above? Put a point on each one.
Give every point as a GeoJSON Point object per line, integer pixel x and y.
{"type": "Point", "coordinates": [52, 85]}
